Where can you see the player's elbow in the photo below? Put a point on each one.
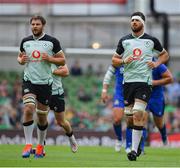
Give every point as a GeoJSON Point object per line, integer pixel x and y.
{"type": "Point", "coordinates": [171, 79]}
{"type": "Point", "coordinates": [165, 56]}
{"type": "Point", "coordinates": [66, 73]}
{"type": "Point", "coordinates": [115, 63]}
{"type": "Point", "coordinates": [61, 61]}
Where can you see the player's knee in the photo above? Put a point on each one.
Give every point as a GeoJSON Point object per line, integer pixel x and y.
{"type": "Point", "coordinates": [128, 111]}
{"type": "Point", "coordinates": [129, 121]}
{"type": "Point", "coordinates": [29, 100]}
{"type": "Point", "coordinates": [29, 110]}
{"type": "Point", "coordinates": [139, 107]}
{"type": "Point", "coordinates": [117, 114]}
{"type": "Point", "coordinates": [138, 112]}
{"type": "Point", "coordinates": [61, 122]}
{"type": "Point", "coordinates": [42, 112]}
{"type": "Point", "coordinates": [117, 119]}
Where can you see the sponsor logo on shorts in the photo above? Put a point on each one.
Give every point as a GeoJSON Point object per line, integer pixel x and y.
{"type": "Point", "coordinates": [116, 102]}
{"type": "Point", "coordinates": [26, 90]}
{"type": "Point", "coordinates": [125, 102]}
{"type": "Point", "coordinates": [144, 96]}
{"type": "Point", "coordinates": [55, 108]}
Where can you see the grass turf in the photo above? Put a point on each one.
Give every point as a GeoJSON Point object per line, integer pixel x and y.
{"type": "Point", "coordinates": [61, 156]}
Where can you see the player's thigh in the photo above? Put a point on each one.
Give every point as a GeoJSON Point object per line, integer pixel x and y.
{"type": "Point", "coordinates": [43, 96]}
{"type": "Point", "coordinates": [29, 96]}
{"type": "Point", "coordinates": [159, 121]}
{"type": "Point", "coordinates": [156, 106]}
{"type": "Point", "coordinates": [142, 92]}
{"type": "Point", "coordinates": [43, 93]}
{"type": "Point", "coordinates": [28, 88]}
{"type": "Point", "coordinates": [60, 117]}
{"type": "Point", "coordinates": [145, 118]}
{"type": "Point", "coordinates": [118, 113]}
{"type": "Point", "coordinates": [118, 106]}
{"type": "Point", "coordinates": [129, 120]}
{"type": "Point", "coordinates": [57, 103]}
{"type": "Point", "coordinates": [128, 93]}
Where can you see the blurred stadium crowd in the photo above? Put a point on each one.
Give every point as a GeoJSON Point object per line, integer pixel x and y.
{"type": "Point", "coordinates": [84, 108]}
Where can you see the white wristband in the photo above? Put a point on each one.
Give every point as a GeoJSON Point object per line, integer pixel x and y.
{"type": "Point", "coordinates": [104, 90]}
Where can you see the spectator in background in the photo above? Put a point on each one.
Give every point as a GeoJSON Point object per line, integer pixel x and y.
{"type": "Point", "coordinates": [176, 119]}
{"type": "Point", "coordinates": [173, 92]}
{"type": "Point", "coordinates": [83, 95]}
{"type": "Point", "coordinates": [76, 69]}
{"type": "Point", "coordinates": [100, 71]}
{"type": "Point", "coordinates": [17, 104]}
{"type": "Point", "coordinates": [89, 70]}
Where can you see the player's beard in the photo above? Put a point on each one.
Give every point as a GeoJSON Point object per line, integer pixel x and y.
{"type": "Point", "coordinates": [37, 33]}
{"type": "Point", "coordinates": [137, 29]}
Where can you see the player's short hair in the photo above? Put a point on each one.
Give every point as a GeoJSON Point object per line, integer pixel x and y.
{"type": "Point", "coordinates": [139, 14]}
{"type": "Point", "coordinates": [38, 17]}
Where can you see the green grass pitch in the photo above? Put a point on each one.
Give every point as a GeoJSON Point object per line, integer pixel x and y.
{"type": "Point", "coordinates": [61, 156]}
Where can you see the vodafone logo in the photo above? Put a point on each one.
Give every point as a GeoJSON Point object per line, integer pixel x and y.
{"type": "Point", "coordinates": [36, 54]}
{"type": "Point", "coordinates": [136, 54]}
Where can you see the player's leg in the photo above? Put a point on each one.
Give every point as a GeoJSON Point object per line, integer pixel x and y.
{"type": "Point", "coordinates": [138, 109]}
{"type": "Point", "coordinates": [162, 129]}
{"type": "Point", "coordinates": [42, 125]}
{"type": "Point", "coordinates": [118, 112]}
{"type": "Point", "coordinates": [44, 93]}
{"type": "Point", "coordinates": [129, 123]}
{"type": "Point", "coordinates": [57, 104]}
{"type": "Point", "coordinates": [62, 122]}
{"type": "Point", "coordinates": [29, 101]}
{"type": "Point", "coordinates": [117, 117]}
{"type": "Point", "coordinates": [158, 115]}
{"type": "Point", "coordinates": [144, 134]}
{"type": "Point", "coordinates": [142, 92]}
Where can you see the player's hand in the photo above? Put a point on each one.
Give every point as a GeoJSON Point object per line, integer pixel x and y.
{"type": "Point", "coordinates": [23, 58]}
{"type": "Point", "coordinates": [152, 64]}
{"type": "Point", "coordinates": [45, 57]}
{"type": "Point", "coordinates": [128, 59]}
{"type": "Point", "coordinates": [104, 97]}
{"type": "Point", "coordinates": [116, 61]}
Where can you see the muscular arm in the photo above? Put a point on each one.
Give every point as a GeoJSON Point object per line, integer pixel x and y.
{"type": "Point", "coordinates": [22, 58]}
{"type": "Point", "coordinates": [106, 82]}
{"type": "Point", "coordinates": [167, 78]}
{"type": "Point", "coordinates": [162, 58]}
{"type": "Point", "coordinates": [58, 58]}
{"type": "Point", "coordinates": [61, 71]}
{"type": "Point", "coordinates": [117, 60]}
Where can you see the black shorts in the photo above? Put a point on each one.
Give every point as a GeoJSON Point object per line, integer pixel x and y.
{"type": "Point", "coordinates": [136, 90]}
{"type": "Point", "coordinates": [42, 92]}
{"type": "Point", "coordinates": [57, 103]}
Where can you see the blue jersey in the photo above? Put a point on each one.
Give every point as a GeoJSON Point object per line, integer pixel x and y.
{"type": "Point", "coordinates": [157, 91]}
{"type": "Point", "coordinates": [118, 100]}
{"type": "Point", "coordinates": [156, 103]}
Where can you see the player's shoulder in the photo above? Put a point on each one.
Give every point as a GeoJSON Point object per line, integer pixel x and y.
{"type": "Point", "coordinates": [127, 37]}
{"type": "Point", "coordinates": [50, 38]}
{"type": "Point", "coordinates": [27, 38]}
{"type": "Point", "coordinates": [162, 67]}
{"type": "Point", "coordinates": [148, 36]}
